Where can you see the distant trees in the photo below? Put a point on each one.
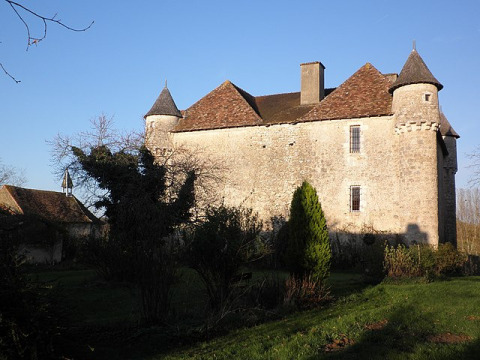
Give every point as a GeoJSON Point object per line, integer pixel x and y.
{"type": "Point", "coordinates": [475, 165]}
{"type": "Point", "coordinates": [10, 175]}
{"type": "Point", "coordinates": [468, 220]}
{"type": "Point", "coordinates": [308, 249]}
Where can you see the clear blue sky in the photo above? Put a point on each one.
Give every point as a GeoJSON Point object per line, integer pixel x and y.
{"type": "Point", "coordinates": [119, 66]}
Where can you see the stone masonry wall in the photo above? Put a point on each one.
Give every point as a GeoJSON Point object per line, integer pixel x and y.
{"type": "Point", "coordinates": [264, 165]}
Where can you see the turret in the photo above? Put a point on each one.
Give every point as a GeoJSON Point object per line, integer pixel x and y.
{"type": "Point", "coordinates": [420, 150]}
{"type": "Point", "coordinates": [159, 122]}
{"type": "Point", "coordinates": [67, 184]}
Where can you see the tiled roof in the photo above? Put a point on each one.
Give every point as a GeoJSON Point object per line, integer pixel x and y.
{"type": "Point", "coordinates": [164, 105]}
{"type": "Point", "coordinates": [282, 108]}
{"type": "Point", "coordinates": [226, 106]}
{"type": "Point", "coordinates": [364, 94]}
{"type": "Point", "coordinates": [49, 205]}
{"type": "Point", "coordinates": [415, 71]}
{"type": "Point", "coordinates": [445, 128]}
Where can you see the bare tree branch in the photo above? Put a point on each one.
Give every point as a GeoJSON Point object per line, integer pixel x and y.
{"type": "Point", "coordinates": [8, 74]}
{"type": "Point", "coordinates": [475, 165]}
{"type": "Point", "coordinates": [21, 10]}
{"type": "Point", "coordinates": [10, 175]}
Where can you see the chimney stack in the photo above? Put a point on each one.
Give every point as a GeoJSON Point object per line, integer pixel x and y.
{"type": "Point", "coordinates": [312, 83]}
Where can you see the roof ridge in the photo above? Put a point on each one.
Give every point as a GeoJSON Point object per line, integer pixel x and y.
{"type": "Point", "coordinates": [9, 190]}
{"type": "Point", "coordinates": [252, 103]}
{"type": "Point", "coordinates": [240, 91]}
{"type": "Point", "coordinates": [364, 70]}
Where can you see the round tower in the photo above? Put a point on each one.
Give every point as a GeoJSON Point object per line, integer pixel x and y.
{"type": "Point", "coordinates": [160, 121]}
{"type": "Point", "coordinates": [420, 171]}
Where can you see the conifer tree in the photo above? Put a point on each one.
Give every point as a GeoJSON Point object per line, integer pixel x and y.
{"type": "Point", "coordinates": [308, 250]}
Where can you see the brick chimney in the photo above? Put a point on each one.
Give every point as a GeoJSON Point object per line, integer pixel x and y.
{"type": "Point", "coordinates": [312, 83]}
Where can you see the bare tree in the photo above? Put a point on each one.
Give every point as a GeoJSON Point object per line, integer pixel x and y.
{"type": "Point", "coordinates": [101, 132]}
{"type": "Point", "coordinates": [11, 175]}
{"type": "Point", "coordinates": [179, 163]}
{"type": "Point", "coordinates": [475, 165]}
{"type": "Point", "coordinates": [25, 14]}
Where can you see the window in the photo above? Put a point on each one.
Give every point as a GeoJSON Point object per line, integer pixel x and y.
{"type": "Point", "coordinates": [354, 198]}
{"type": "Point", "coordinates": [355, 139]}
{"type": "Point", "coordinates": [427, 97]}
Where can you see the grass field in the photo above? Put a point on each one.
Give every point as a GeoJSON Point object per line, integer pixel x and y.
{"type": "Point", "coordinates": [439, 320]}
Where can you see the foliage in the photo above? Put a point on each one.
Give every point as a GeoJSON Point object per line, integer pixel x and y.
{"type": "Point", "coordinates": [142, 212]}
{"type": "Point", "coordinates": [422, 260]}
{"type": "Point", "coordinates": [308, 250]}
{"type": "Point", "coordinates": [218, 247]}
{"type": "Point", "coordinates": [28, 323]}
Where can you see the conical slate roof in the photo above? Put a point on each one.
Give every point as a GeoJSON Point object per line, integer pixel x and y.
{"type": "Point", "coordinates": [164, 105]}
{"type": "Point", "coordinates": [415, 71]}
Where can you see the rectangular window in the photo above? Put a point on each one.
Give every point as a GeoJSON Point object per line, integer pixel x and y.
{"type": "Point", "coordinates": [355, 139]}
{"type": "Point", "coordinates": [355, 198]}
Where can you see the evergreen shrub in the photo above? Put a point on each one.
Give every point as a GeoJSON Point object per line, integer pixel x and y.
{"type": "Point", "coordinates": [308, 249]}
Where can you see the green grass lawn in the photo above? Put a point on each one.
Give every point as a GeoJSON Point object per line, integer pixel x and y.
{"type": "Point", "coordinates": [439, 320]}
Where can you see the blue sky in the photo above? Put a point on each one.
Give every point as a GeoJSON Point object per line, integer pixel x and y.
{"type": "Point", "coordinates": [119, 66]}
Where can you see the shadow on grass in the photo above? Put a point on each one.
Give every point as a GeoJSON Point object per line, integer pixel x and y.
{"type": "Point", "coordinates": [406, 332]}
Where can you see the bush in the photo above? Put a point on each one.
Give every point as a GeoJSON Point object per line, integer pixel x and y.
{"type": "Point", "coordinates": [220, 246]}
{"type": "Point", "coordinates": [305, 292]}
{"type": "Point", "coordinates": [308, 250]}
{"type": "Point", "coordinates": [28, 322]}
{"type": "Point", "coordinates": [422, 260]}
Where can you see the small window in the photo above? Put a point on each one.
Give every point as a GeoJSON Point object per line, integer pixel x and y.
{"type": "Point", "coordinates": [355, 139]}
{"type": "Point", "coordinates": [427, 97]}
{"type": "Point", "coordinates": [354, 198]}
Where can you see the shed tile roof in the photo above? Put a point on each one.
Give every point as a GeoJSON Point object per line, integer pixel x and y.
{"type": "Point", "coordinates": [164, 105]}
{"type": "Point", "coordinates": [415, 71]}
{"type": "Point", "coordinates": [364, 94]}
{"type": "Point", "coordinates": [49, 205]}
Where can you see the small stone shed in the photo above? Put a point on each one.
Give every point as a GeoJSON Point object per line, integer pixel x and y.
{"type": "Point", "coordinates": [42, 220]}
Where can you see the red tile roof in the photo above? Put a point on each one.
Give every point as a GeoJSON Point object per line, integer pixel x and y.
{"type": "Point", "coordinates": [226, 106]}
{"type": "Point", "coordinates": [49, 205]}
{"type": "Point", "coordinates": [364, 94]}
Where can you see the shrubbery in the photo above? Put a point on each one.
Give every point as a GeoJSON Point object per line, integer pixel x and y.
{"type": "Point", "coordinates": [422, 260]}
{"type": "Point", "coordinates": [28, 320]}
{"type": "Point", "coordinates": [217, 248]}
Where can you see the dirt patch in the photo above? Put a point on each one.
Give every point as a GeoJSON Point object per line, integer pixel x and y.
{"type": "Point", "coordinates": [339, 344]}
{"type": "Point", "coordinates": [473, 318]}
{"type": "Point", "coordinates": [448, 338]}
{"type": "Point", "coordinates": [379, 325]}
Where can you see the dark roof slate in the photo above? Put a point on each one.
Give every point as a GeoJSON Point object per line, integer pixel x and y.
{"type": "Point", "coordinates": [415, 71]}
{"type": "Point", "coordinates": [445, 128]}
{"type": "Point", "coordinates": [364, 94]}
{"type": "Point", "coordinates": [49, 205]}
{"type": "Point", "coordinates": [164, 105]}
